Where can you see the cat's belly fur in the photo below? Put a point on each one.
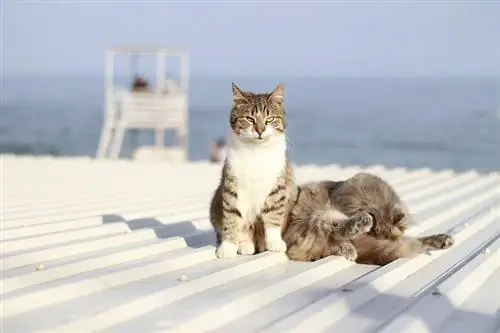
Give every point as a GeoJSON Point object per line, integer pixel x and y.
{"type": "Point", "coordinates": [257, 176]}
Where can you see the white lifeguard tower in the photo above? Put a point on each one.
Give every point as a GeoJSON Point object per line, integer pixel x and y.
{"type": "Point", "coordinates": [142, 107]}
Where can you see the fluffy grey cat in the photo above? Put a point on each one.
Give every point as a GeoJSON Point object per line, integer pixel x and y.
{"type": "Point", "coordinates": [361, 218]}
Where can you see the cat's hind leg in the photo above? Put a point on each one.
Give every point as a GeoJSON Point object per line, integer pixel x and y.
{"type": "Point", "coordinates": [410, 246]}
{"type": "Point", "coordinates": [374, 251]}
{"type": "Point", "coordinates": [436, 242]}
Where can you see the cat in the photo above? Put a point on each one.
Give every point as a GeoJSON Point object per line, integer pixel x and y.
{"type": "Point", "coordinates": [361, 219]}
{"type": "Point", "coordinates": [252, 201]}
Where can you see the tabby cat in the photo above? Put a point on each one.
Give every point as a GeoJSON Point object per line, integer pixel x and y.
{"type": "Point", "coordinates": [361, 218]}
{"type": "Point", "coordinates": [250, 206]}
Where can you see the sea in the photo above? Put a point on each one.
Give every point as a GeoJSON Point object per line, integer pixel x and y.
{"type": "Point", "coordinates": [413, 122]}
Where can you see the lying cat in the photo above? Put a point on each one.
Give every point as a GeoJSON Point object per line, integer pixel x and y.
{"type": "Point", "coordinates": [361, 218]}
{"type": "Point", "coordinates": [251, 203]}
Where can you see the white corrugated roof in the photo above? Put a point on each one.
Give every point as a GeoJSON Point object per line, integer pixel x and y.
{"type": "Point", "coordinates": [107, 246]}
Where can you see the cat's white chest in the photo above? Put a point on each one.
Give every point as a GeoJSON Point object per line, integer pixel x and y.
{"type": "Point", "coordinates": [257, 172]}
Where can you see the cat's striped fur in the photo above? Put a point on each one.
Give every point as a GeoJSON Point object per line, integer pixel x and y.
{"type": "Point", "coordinates": [250, 206]}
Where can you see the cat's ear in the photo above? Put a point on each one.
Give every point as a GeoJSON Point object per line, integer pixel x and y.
{"type": "Point", "coordinates": [238, 95]}
{"type": "Point", "coordinates": [278, 94]}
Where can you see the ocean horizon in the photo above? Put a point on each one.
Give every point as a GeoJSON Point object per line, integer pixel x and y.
{"type": "Point", "coordinates": [413, 122]}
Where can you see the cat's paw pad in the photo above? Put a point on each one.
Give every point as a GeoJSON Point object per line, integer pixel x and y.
{"type": "Point", "coordinates": [441, 241]}
{"type": "Point", "coordinates": [276, 245]}
{"type": "Point", "coordinates": [226, 250]}
{"type": "Point", "coordinates": [348, 251]}
{"type": "Point", "coordinates": [363, 222]}
{"type": "Point", "coordinates": [360, 223]}
{"type": "Point", "coordinates": [246, 248]}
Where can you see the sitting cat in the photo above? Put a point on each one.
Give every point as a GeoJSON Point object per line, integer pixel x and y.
{"type": "Point", "coordinates": [249, 207]}
{"type": "Point", "coordinates": [361, 218]}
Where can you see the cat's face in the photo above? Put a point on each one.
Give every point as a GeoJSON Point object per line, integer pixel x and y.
{"type": "Point", "coordinates": [258, 117]}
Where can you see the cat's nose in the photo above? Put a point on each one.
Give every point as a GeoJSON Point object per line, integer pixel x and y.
{"type": "Point", "coordinates": [259, 130]}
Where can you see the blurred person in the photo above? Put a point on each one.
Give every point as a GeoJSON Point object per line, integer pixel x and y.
{"type": "Point", "coordinates": [218, 151]}
{"type": "Point", "coordinates": [140, 84]}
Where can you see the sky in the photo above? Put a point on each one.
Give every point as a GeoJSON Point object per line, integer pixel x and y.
{"type": "Point", "coordinates": [258, 38]}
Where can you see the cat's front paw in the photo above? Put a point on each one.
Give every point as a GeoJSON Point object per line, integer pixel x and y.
{"type": "Point", "coordinates": [359, 223]}
{"type": "Point", "coordinates": [348, 251]}
{"type": "Point", "coordinates": [246, 248]}
{"type": "Point", "coordinates": [226, 250]}
{"type": "Point", "coordinates": [276, 245]}
{"type": "Point", "coordinates": [274, 242]}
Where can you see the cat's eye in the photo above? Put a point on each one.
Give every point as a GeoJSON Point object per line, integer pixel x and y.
{"type": "Point", "coordinates": [270, 120]}
{"type": "Point", "coordinates": [250, 119]}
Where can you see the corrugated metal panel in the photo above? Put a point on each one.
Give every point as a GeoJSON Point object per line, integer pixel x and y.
{"type": "Point", "coordinates": [92, 246]}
